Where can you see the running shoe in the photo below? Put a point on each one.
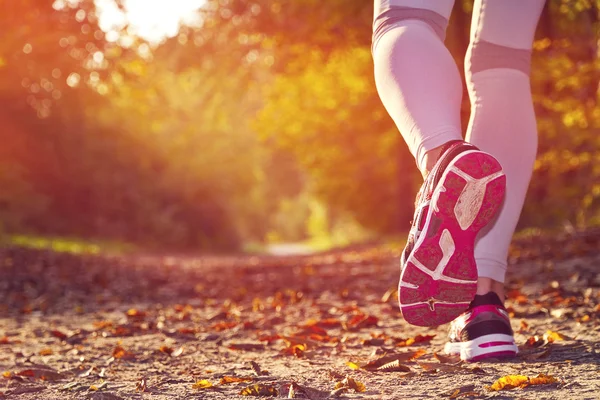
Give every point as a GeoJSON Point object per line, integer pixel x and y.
{"type": "Point", "coordinates": [483, 331]}
{"type": "Point", "coordinates": [460, 196]}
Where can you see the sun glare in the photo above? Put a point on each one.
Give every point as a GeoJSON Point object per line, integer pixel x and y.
{"type": "Point", "coordinates": [152, 20]}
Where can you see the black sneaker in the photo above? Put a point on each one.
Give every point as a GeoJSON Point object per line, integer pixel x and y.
{"type": "Point", "coordinates": [483, 331]}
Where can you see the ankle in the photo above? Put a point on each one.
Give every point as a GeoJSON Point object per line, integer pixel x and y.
{"type": "Point", "coordinates": [430, 159]}
{"type": "Point", "coordinates": [486, 285]}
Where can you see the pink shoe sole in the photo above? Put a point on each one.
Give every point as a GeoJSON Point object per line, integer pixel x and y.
{"type": "Point", "coordinates": [440, 277]}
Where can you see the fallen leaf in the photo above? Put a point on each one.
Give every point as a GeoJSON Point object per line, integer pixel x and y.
{"type": "Point", "coordinates": [353, 365]}
{"type": "Point", "coordinates": [388, 358]}
{"type": "Point", "coordinates": [141, 385]}
{"type": "Point", "coordinates": [202, 384]}
{"type": "Point", "coordinates": [257, 370]}
{"type": "Point", "coordinates": [246, 346]}
{"type": "Point", "coordinates": [259, 389]}
{"type": "Point", "coordinates": [101, 386]}
{"type": "Point", "coordinates": [373, 342]}
{"type": "Point", "coordinates": [86, 373]}
{"type": "Point", "coordinates": [433, 366]}
{"type": "Point", "coordinates": [45, 374]}
{"type": "Point", "coordinates": [297, 350]}
{"type": "Point", "coordinates": [350, 383]}
{"type": "Point", "coordinates": [416, 339]}
{"type": "Point", "coordinates": [524, 327]}
{"type": "Point", "coordinates": [58, 334]}
{"type": "Point", "coordinates": [135, 314]}
{"type": "Point", "coordinates": [551, 336]}
{"type": "Point", "coordinates": [223, 325]}
{"type": "Point", "coordinates": [166, 349]}
{"type": "Point", "coordinates": [177, 352]}
{"type": "Point", "coordinates": [393, 366]}
{"type": "Point", "coordinates": [120, 353]}
{"type": "Point", "coordinates": [69, 386]}
{"type": "Point", "coordinates": [512, 381]}
{"type": "Point", "coordinates": [536, 355]}
{"type": "Point", "coordinates": [233, 379]}
{"type": "Point", "coordinates": [462, 391]}
{"type": "Point", "coordinates": [4, 340]}
{"type": "Point", "coordinates": [361, 321]}
{"type": "Point", "coordinates": [103, 324]}
{"type": "Point", "coordinates": [447, 359]}
{"type": "Point", "coordinates": [46, 352]}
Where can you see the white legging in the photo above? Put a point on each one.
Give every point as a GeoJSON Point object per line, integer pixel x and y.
{"type": "Point", "coordinates": [419, 84]}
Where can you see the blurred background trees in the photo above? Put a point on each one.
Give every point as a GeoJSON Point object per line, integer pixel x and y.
{"type": "Point", "coordinates": [251, 121]}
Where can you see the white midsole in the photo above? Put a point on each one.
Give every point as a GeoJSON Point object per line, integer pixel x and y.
{"type": "Point", "coordinates": [471, 349]}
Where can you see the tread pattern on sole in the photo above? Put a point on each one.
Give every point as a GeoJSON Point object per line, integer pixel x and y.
{"type": "Point", "coordinates": [440, 276]}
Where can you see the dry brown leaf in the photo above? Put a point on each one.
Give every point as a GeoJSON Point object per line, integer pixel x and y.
{"type": "Point", "coordinates": [524, 327]}
{"type": "Point", "coordinates": [433, 366]}
{"type": "Point", "coordinates": [223, 325]}
{"type": "Point", "coordinates": [4, 340]}
{"type": "Point", "coordinates": [361, 321]}
{"type": "Point", "coordinates": [393, 366]}
{"type": "Point", "coordinates": [536, 355]}
{"type": "Point", "coordinates": [102, 324]}
{"type": "Point", "coordinates": [141, 385]}
{"type": "Point", "coordinates": [297, 350]}
{"type": "Point", "coordinates": [416, 339]}
{"type": "Point", "coordinates": [246, 346]}
{"type": "Point", "coordinates": [388, 358]}
{"type": "Point", "coordinates": [447, 359]}
{"type": "Point", "coordinates": [135, 314]}
{"type": "Point", "coordinates": [351, 383]}
{"type": "Point", "coordinates": [463, 391]}
{"type": "Point", "coordinates": [58, 334]}
{"type": "Point", "coordinates": [120, 353]}
{"type": "Point", "coordinates": [46, 352]}
{"type": "Point", "coordinates": [166, 349]}
{"type": "Point", "coordinates": [45, 374]}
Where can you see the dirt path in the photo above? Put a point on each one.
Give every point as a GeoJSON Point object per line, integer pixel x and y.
{"type": "Point", "coordinates": [162, 328]}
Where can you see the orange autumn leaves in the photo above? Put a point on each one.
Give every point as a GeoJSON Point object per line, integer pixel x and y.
{"type": "Point", "coordinates": [520, 381]}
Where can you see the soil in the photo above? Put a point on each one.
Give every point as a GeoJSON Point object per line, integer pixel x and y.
{"type": "Point", "coordinates": [214, 327]}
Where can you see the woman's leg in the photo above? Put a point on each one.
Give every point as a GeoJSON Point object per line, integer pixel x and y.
{"type": "Point", "coordinates": [417, 78]}
{"type": "Point", "coordinates": [502, 123]}
{"type": "Point", "coordinates": [420, 86]}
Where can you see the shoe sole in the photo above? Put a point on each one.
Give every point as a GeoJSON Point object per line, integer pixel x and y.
{"type": "Point", "coordinates": [439, 279]}
{"type": "Point", "coordinates": [484, 347]}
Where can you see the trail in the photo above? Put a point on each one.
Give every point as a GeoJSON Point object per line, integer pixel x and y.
{"type": "Point", "coordinates": [100, 327]}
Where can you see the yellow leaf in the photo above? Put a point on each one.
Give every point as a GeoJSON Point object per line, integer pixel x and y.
{"type": "Point", "coordinates": [509, 382]}
{"type": "Point", "coordinates": [233, 379]}
{"type": "Point", "coordinates": [202, 384]}
{"type": "Point", "coordinates": [542, 379]}
{"type": "Point", "coordinates": [551, 336]}
{"type": "Point", "coordinates": [260, 390]}
{"type": "Point", "coordinates": [352, 365]}
{"type": "Point", "coordinates": [7, 374]}
{"type": "Point", "coordinates": [513, 381]}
